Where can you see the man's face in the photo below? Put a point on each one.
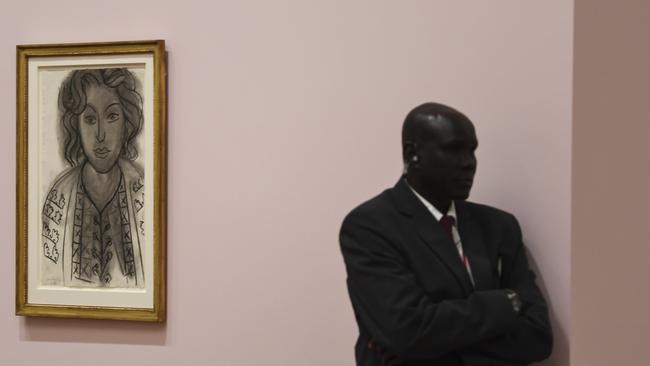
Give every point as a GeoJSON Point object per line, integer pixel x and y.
{"type": "Point", "coordinates": [446, 160]}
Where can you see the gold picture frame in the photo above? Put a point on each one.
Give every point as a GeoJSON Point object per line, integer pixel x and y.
{"type": "Point", "coordinates": [91, 138]}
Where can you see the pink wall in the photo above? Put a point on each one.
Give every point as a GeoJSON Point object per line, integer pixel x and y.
{"type": "Point", "coordinates": [283, 115]}
{"type": "Point", "coordinates": [609, 311]}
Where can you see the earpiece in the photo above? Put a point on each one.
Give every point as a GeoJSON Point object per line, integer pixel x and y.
{"type": "Point", "coordinates": [415, 159]}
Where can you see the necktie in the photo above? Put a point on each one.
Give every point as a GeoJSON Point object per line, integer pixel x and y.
{"type": "Point", "coordinates": [448, 223]}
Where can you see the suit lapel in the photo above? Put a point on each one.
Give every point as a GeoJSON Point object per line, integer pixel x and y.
{"type": "Point", "coordinates": [437, 239]}
{"type": "Point", "coordinates": [431, 232]}
{"type": "Point", "coordinates": [474, 248]}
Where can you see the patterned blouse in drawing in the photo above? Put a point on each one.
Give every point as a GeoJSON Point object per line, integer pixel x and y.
{"type": "Point", "coordinates": [86, 246]}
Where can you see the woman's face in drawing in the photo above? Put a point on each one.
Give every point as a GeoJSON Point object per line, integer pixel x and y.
{"type": "Point", "coordinates": [101, 126]}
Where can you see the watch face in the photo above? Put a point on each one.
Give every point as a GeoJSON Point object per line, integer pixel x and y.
{"type": "Point", "coordinates": [515, 300]}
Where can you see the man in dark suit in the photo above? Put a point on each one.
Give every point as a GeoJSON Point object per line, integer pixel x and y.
{"type": "Point", "coordinates": [435, 280]}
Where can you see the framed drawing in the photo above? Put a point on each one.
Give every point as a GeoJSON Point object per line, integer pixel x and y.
{"type": "Point", "coordinates": [91, 181]}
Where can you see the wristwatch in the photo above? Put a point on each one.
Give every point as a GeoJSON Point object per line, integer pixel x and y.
{"type": "Point", "coordinates": [515, 300]}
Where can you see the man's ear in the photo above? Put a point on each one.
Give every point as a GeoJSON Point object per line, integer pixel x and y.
{"type": "Point", "coordinates": [410, 154]}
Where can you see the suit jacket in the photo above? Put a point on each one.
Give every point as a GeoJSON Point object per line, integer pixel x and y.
{"type": "Point", "coordinates": [412, 296]}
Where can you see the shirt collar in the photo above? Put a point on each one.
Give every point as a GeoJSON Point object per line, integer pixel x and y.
{"type": "Point", "coordinates": [434, 211]}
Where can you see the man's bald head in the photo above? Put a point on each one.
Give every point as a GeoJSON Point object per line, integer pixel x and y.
{"type": "Point", "coordinates": [438, 145]}
{"type": "Point", "coordinates": [420, 122]}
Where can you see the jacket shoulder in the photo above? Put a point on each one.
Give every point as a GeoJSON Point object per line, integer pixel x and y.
{"type": "Point", "coordinates": [489, 214]}
{"type": "Point", "coordinates": [376, 208]}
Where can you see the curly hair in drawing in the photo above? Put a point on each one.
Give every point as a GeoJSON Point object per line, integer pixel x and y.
{"type": "Point", "coordinates": [73, 101]}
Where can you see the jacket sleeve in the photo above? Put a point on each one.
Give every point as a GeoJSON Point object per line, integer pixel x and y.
{"type": "Point", "coordinates": [391, 305]}
{"type": "Point", "coordinates": [530, 340]}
